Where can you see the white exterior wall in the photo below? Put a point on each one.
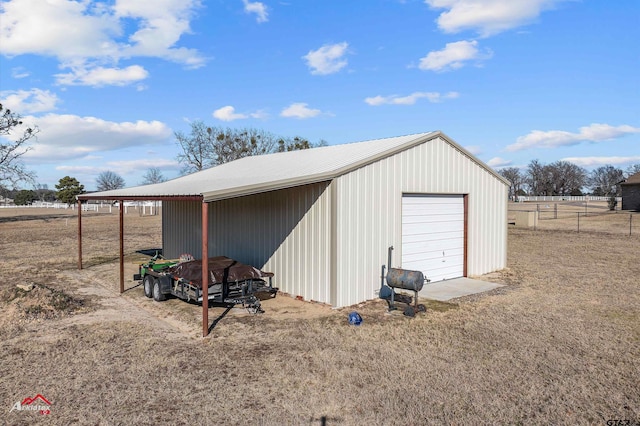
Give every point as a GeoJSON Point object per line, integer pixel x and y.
{"type": "Point", "coordinates": [369, 214]}
{"type": "Point", "coordinates": [286, 232]}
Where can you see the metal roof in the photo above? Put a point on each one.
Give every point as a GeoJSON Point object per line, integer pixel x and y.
{"type": "Point", "coordinates": [632, 180]}
{"type": "Point", "coordinates": [251, 175]}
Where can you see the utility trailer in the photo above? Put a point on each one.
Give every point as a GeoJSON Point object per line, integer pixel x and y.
{"type": "Point", "coordinates": [230, 282]}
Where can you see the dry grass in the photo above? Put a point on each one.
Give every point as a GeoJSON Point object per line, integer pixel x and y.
{"type": "Point", "coordinates": [558, 345]}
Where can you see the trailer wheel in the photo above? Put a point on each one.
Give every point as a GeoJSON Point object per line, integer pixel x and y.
{"type": "Point", "coordinates": [157, 294]}
{"type": "Point", "coordinates": [147, 284]}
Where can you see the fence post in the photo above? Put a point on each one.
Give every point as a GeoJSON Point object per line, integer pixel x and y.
{"type": "Point", "coordinates": [630, 218]}
{"type": "Point", "coordinates": [555, 211]}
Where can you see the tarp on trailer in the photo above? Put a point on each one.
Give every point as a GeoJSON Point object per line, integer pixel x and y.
{"type": "Point", "coordinates": [221, 270]}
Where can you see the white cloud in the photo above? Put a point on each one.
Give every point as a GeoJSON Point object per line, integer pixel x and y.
{"type": "Point", "coordinates": [29, 101]}
{"type": "Point", "coordinates": [555, 138]}
{"type": "Point", "coordinates": [99, 76]}
{"type": "Point", "coordinates": [227, 113]}
{"type": "Point", "coordinates": [488, 17]}
{"type": "Point", "coordinates": [299, 110]}
{"type": "Point", "coordinates": [328, 59]}
{"type": "Point", "coordinates": [258, 8]}
{"type": "Point", "coordinates": [65, 137]}
{"type": "Point", "coordinates": [91, 35]}
{"type": "Point", "coordinates": [602, 161]}
{"type": "Point", "coordinates": [497, 162]}
{"type": "Point", "coordinates": [260, 114]}
{"type": "Point", "coordinates": [161, 24]}
{"type": "Point", "coordinates": [453, 56]}
{"type": "Point", "coordinates": [64, 29]}
{"type": "Point", "coordinates": [19, 72]}
{"type": "Point", "coordinates": [433, 97]}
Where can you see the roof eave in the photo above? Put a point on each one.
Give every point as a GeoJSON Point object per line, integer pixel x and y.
{"type": "Point", "coordinates": [84, 197]}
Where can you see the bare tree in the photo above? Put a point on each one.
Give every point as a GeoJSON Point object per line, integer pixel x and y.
{"type": "Point", "coordinates": [232, 144]}
{"type": "Point", "coordinates": [538, 178]}
{"type": "Point", "coordinates": [44, 193]}
{"type": "Point", "coordinates": [632, 170]}
{"type": "Point", "coordinates": [515, 177]}
{"type": "Point", "coordinates": [153, 175]}
{"type": "Point", "coordinates": [12, 169]}
{"type": "Point", "coordinates": [559, 178]}
{"type": "Point", "coordinates": [566, 178]}
{"type": "Point", "coordinates": [205, 146]}
{"type": "Point", "coordinates": [197, 148]}
{"type": "Point", "coordinates": [109, 180]}
{"type": "Point", "coordinates": [606, 180]}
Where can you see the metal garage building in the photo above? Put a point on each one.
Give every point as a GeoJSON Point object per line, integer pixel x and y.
{"type": "Point", "coordinates": [322, 219]}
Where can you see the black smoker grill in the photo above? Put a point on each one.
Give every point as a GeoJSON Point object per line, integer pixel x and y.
{"type": "Point", "coordinates": [406, 280]}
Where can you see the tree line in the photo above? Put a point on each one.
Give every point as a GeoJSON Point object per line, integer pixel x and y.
{"type": "Point", "coordinates": [565, 178]}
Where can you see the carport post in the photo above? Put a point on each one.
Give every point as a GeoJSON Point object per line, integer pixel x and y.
{"type": "Point", "coordinates": [205, 269]}
{"type": "Point", "coordinates": [79, 234]}
{"type": "Point", "coordinates": [121, 246]}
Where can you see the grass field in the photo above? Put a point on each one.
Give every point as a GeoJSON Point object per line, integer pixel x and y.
{"type": "Point", "coordinates": [559, 344]}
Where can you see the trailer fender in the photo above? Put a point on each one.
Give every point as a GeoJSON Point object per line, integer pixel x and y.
{"type": "Point", "coordinates": [165, 284]}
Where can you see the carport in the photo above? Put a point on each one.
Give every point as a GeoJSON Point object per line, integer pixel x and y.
{"type": "Point", "coordinates": [121, 201]}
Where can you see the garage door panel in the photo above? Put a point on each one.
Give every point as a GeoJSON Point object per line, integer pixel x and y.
{"type": "Point", "coordinates": [427, 228]}
{"type": "Point", "coordinates": [418, 199]}
{"type": "Point", "coordinates": [433, 235]}
{"type": "Point", "coordinates": [436, 265]}
{"type": "Point", "coordinates": [432, 255]}
{"type": "Point", "coordinates": [433, 241]}
{"type": "Point", "coordinates": [430, 220]}
{"type": "Point", "coordinates": [417, 243]}
{"type": "Point", "coordinates": [440, 209]}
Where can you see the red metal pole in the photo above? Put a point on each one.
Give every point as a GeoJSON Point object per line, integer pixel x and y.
{"type": "Point", "coordinates": [79, 234]}
{"type": "Point", "coordinates": [205, 269]}
{"type": "Point", "coordinates": [121, 246]}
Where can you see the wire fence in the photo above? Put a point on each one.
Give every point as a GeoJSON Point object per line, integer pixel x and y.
{"type": "Point", "coordinates": [578, 216]}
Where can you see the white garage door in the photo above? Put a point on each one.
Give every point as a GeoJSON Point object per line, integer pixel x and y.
{"type": "Point", "coordinates": [433, 235]}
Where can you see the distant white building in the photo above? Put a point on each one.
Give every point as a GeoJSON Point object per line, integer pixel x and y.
{"type": "Point", "coordinates": [6, 201]}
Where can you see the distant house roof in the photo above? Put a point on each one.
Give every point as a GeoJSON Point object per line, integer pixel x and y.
{"type": "Point", "coordinates": [633, 179]}
{"type": "Point", "coordinates": [251, 175]}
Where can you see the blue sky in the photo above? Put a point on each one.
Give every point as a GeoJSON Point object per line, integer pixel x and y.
{"type": "Point", "coordinates": [109, 82]}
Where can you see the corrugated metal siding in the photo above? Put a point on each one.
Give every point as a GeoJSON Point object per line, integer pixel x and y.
{"type": "Point", "coordinates": [369, 213]}
{"type": "Point", "coordinates": [286, 232]}
{"type": "Point", "coordinates": [181, 228]}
